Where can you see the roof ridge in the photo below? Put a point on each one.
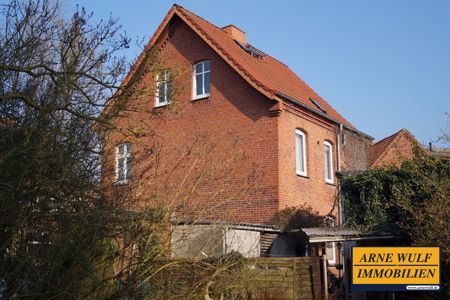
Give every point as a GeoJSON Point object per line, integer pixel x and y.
{"type": "Point", "coordinates": [177, 5]}
{"type": "Point", "coordinates": [390, 136]}
{"type": "Point", "coordinates": [230, 37]}
{"type": "Point", "coordinates": [374, 156]}
{"type": "Point", "coordinates": [393, 138]}
{"type": "Point", "coordinates": [413, 139]}
{"type": "Point", "coordinates": [269, 76]}
{"type": "Point", "coordinates": [242, 68]}
{"type": "Point", "coordinates": [390, 140]}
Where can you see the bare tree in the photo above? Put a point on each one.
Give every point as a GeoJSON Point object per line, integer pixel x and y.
{"type": "Point", "coordinates": [56, 74]}
{"type": "Point", "coordinates": [60, 234]}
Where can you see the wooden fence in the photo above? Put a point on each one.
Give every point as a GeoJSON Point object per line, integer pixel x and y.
{"type": "Point", "coordinates": [288, 278]}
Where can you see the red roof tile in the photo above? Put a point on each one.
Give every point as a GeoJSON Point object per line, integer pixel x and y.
{"type": "Point", "coordinates": [267, 75]}
{"type": "Point", "coordinates": [379, 149]}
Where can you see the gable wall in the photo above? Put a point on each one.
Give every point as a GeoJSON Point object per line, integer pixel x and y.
{"type": "Point", "coordinates": [237, 135]}
{"type": "Point", "coordinates": [400, 149]}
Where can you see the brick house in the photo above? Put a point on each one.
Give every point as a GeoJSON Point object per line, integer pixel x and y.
{"type": "Point", "coordinates": [394, 149]}
{"type": "Point", "coordinates": [240, 98]}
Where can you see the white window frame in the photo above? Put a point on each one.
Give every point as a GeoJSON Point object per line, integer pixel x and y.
{"type": "Point", "coordinates": [163, 78]}
{"type": "Point", "coordinates": [126, 155]}
{"type": "Point", "coordinates": [203, 73]}
{"type": "Point", "coordinates": [299, 134]}
{"type": "Point", "coordinates": [331, 260]}
{"type": "Point", "coordinates": [330, 161]}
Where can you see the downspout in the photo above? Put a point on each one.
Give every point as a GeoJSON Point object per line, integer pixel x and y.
{"type": "Point", "coordinates": [340, 210]}
{"type": "Point", "coordinates": [338, 163]}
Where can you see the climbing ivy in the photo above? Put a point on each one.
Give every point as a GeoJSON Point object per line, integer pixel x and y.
{"type": "Point", "coordinates": [412, 200]}
{"type": "Point", "coordinates": [389, 199]}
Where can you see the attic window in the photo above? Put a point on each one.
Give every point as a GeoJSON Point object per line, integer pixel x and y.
{"type": "Point", "coordinates": [251, 50]}
{"type": "Point", "coordinates": [318, 105]}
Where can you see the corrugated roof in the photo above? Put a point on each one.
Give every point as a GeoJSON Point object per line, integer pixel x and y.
{"type": "Point", "coordinates": [265, 74]}
{"type": "Point", "coordinates": [341, 233]}
{"type": "Point", "coordinates": [330, 231]}
{"type": "Point", "coordinates": [237, 225]}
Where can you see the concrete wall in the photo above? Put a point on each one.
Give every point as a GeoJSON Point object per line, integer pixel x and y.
{"type": "Point", "coordinates": [213, 240]}
{"type": "Point", "coordinates": [243, 241]}
{"type": "Point", "coordinates": [197, 241]}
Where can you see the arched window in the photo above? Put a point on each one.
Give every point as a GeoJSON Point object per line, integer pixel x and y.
{"type": "Point", "coordinates": [328, 162]}
{"type": "Point", "coordinates": [123, 162]}
{"type": "Point", "coordinates": [202, 80]}
{"type": "Point", "coordinates": [300, 152]}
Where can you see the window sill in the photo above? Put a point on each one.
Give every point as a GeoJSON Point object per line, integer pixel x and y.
{"type": "Point", "coordinates": [330, 183]}
{"type": "Point", "coordinates": [201, 97]}
{"type": "Point", "coordinates": [302, 176]}
{"type": "Point", "coordinates": [161, 104]}
{"type": "Point", "coordinates": [122, 182]}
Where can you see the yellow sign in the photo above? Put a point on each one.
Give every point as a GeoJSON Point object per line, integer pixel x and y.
{"type": "Point", "coordinates": [395, 265]}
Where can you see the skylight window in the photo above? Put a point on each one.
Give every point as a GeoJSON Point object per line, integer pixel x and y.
{"type": "Point", "coordinates": [251, 50]}
{"type": "Point", "coordinates": [318, 105]}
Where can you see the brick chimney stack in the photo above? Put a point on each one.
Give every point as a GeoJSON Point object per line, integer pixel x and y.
{"type": "Point", "coordinates": [235, 33]}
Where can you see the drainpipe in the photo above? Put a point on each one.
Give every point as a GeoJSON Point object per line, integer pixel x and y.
{"type": "Point", "coordinates": [340, 211]}
{"type": "Point", "coordinates": [338, 162]}
{"type": "Point", "coordinates": [341, 127]}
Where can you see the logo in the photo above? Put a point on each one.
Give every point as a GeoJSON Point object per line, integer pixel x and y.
{"type": "Point", "coordinates": [395, 268]}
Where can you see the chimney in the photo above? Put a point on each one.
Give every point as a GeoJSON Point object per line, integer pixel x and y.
{"type": "Point", "coordinates": [235, 33]}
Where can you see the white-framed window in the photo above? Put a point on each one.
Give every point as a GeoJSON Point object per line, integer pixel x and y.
{"type": "Point", "coordinates": [328, 162]}
{"type": "Point", "coordinates": [330, 251]}
{"type": "Point", "coordinates": [300, 152]}
{"type": "Point", "coordinates": [202, 80]}
{"type": "Point", "coordinates": [123, 162]}
{"type": "Point", "coordinates": [163, 88]}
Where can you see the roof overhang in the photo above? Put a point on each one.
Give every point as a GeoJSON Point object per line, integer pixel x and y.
{"type": "Point", "coordinates": [321, 114]}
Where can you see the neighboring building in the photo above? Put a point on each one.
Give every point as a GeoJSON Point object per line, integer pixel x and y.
{"type": "Point", "coordinates": [394, 149]}
{"type": "Point", "coordinates": [438, 151]}
{"type": "Point", "coordinates": [240, 98]}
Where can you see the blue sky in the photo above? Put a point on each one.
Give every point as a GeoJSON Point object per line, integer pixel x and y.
{"type": "Point", "coordinates": [383, 64]}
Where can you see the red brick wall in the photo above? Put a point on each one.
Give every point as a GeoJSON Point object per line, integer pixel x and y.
{"type": "Point", "coordinates": [311, 190]}
{"type": "Point", "coordinates": [354, 151]}
{"type": "Point", "coordinates": [401, 149]}
{"type": "Point", "coordinates": [233, 121]}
